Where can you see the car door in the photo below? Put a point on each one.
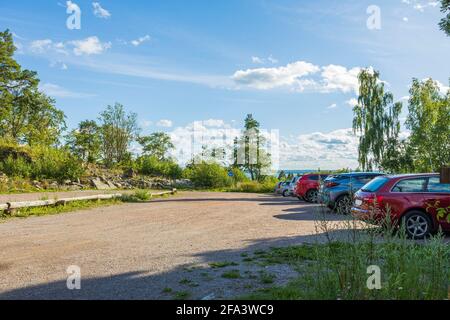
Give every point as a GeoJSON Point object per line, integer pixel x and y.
{"type": "Point", "coordinates": [437, 200]}
{"type": "Point", "coordinates": [408, 193]}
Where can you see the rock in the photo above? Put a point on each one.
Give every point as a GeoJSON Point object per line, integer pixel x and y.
{"type": "Point", "coordinates": [99, 184]}
{"type": "Point", "coordinates": [130, 173]}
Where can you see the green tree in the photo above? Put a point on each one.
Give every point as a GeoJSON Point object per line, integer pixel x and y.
{"type": "Point", "coordinates": [429, 123]}
{"type": "Point", "coordinates": [85, 141]}
{"type": "Point", "coordinates": [118, 130]}
{"type": "Point", "coordinates": [26, 115]}
{"type": "Point", "coordinates": [376, 120]}
{"type": "Point", "coordinates": [445, 22]}
{"type": "Point", "coordinates": [157, 144]}
{"type": "Point", "coordinates": [249, 153]}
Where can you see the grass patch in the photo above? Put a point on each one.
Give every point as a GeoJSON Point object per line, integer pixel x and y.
{"type": "Point", "coordinates": [224, 264]}
{"type": "Point", "coordinates": [53, 210]}
{"type": "Point", "coordinates": [167, 290]}
{"type": "Point", "coordinates": [232, 274]}
{"type": "Point", "coordinates": [181, 295]}
{"type": "Point", "coordinates": [267, 278]}
{"type": "Point", "coordinates": [338, 270]}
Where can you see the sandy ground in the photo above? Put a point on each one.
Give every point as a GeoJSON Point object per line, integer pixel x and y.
{"type": "Point", "coordinates": [134, 251]}
{"type": "Point", "coordinates": [4, 198]}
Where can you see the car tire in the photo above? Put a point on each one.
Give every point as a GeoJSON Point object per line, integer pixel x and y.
{"type": "Point", "coordinates": [343, 205]}
{"type": "Point", "coordinates": [312, 196]}
{"type": "Point", "coordinates": [418, 225]}
{"type": "Point", "coordinates": [285, 193]}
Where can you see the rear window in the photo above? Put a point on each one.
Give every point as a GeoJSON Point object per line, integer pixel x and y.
{"type": "Point", "coordinates": [375, 184]}
{"type": "Point", "coordinates": [411, 185]}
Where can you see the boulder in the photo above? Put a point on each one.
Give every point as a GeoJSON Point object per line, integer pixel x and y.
{"type": "Point", "coordinates": [99, 184]}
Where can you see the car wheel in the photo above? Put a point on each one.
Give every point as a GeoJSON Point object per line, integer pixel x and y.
{"type": "Point", "coordinates": [417, 225]}
{"type": "Point", "coordinates": [312, 196]}
{"type": "Point", "coordinates": [285, 193]}
{"type": "Point", "coordinates": [344, 205]}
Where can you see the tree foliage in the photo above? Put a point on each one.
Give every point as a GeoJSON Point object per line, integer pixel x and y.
{"type": "Point", "coordinates": [158, 144]}
{"type": "Point", "coordinates": [249, 153]}
{"type": "Point", "coordinates": [26, 114]}
{"type": "Point", "coordinates": [85, 141]}
{"type": "Point", "coordinates": [429, 123]}
{"type": "Point", "coordinates": [118, 129]}
{"type": "Point", "coordinates": [444, 24]}
{"type": "Point", "coordinates": [376, 120]}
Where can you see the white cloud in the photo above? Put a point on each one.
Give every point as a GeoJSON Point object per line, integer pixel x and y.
{"type": "Point", "coordinates": [327, 150]}
{"type": "Point", "coordinates": [56, 91]}
{"type": "Point", "coordinates": [352, 102]}
{"type": "Point", "coordinates": [41, 46]}
{"type": "Point", "coordinates": [405, 19]}
{"type": "Point", "coordinates": [300, 76]}
{"type": "Point", "coordinates": [333, 106]}
{"type": "Point", "coordinates": [338, 78]}
{"type": "Point", "coordinates": [140, 40]}
{"type": "Point", "coordinates": [99, 11]}
{"type": "Point", "coordinates": [421, 5]}
{"type": "Point", "coordinates": [258, 60]}
{"type": "Point", "coordinates": [89, 46]}
{"type": "Point", "coordinates": [164, 123]}
{"type": "Point", "coordinates": [269, 78]}
{"type": "Point", "coordinates": [330, 150]}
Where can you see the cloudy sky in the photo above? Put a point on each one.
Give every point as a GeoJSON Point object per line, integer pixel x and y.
{"type": "Point", "coordinates": [293, 64]}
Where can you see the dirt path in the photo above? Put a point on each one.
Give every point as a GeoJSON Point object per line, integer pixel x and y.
{"type": "Point", "coordinates": [4, 198]}
{"type": "Point", "coordinates": [135, 251]}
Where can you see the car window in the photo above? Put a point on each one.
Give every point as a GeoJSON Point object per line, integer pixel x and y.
{"type": "Point", "coordinates": [375, 185]}
{"type": "Point", "coordinates": [434, 185]}
{"type": "Point", "coordinates": [314, 178]}
{"type": "Point", "coordinates": [411, 185]}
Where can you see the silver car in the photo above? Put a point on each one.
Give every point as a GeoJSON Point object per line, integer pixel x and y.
{"type": "Point", "coordinates": [288, 190]}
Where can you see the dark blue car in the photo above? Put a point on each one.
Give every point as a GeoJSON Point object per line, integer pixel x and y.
{"type": "Point", "coordinates": [338, 190]}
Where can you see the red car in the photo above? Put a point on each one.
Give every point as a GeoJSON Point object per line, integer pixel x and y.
{"type": "Point", "coordinates": [419, 201]}
{"type": "Point", "coordinates": [308, 187]}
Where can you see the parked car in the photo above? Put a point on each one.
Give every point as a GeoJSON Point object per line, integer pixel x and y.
{"type": "Point", "coordinates": [338, 190]}
{"type": "Point", "coordinates": [418, 201]}
{"type": "Point", "coordinates": [289, 188]}
{"type": "Point", "coordinates": [307, 188]}
{"type": "Point", "coordinates": [279, 187]}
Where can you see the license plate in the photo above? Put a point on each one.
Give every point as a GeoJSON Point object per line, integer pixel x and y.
{"type": "Point", "coordinates": [358, 202]}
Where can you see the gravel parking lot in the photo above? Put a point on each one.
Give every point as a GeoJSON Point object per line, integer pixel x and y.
{"type": "Point", "coordinates": [147, 250]}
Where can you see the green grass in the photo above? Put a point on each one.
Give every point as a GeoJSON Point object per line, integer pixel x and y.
{"type": "Point", "coordinates": [232, 274]}
{"type": "Point", "coordinates": [53, 210]}
{"type": "Point", "coordinates": [181, 295]}
{"type": "Point", "coordinates": [338, 270]}
{"type": "Point", "coordinates": [224, 264]}
{"type": "Point", "coordinates": [267, 278]}
{"type": "Point", "coordinates": [167, 290]}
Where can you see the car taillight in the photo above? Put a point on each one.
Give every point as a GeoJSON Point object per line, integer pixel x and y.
{"type": "Point", "coordinates": [331, 184]}
{"type": "Point", "coordinates": [373, 200]}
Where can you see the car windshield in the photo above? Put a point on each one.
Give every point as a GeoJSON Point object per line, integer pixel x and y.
{"type": "Point", "coordinates": [375, 184]}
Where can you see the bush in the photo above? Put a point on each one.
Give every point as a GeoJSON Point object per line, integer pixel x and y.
{"type": "Point", "coordinates": [208, 175]}
{"type": "Point", "coordinates": [40, 163]}
{"type": "Point", "coordinates": [152, 166]}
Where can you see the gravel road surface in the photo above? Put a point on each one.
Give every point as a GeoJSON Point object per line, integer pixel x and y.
{"type": "Point", "coordinates": [146, 250]}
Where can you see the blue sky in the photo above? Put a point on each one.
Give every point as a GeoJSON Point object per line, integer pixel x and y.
{"type": "Point", "coordinates": [290, 63]}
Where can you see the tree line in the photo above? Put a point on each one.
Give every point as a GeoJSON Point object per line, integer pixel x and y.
{"type": "Point", "coordinates": [377, 122]}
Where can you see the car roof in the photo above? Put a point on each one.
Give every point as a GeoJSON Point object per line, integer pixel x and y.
{"type": "Point", "coordinates": [361, 174]}
{"type": "Point", "coordinates": [413, 175]}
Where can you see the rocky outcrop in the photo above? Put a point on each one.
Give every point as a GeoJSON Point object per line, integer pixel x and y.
{"type": "Point", "coordinates": [102, 179]}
